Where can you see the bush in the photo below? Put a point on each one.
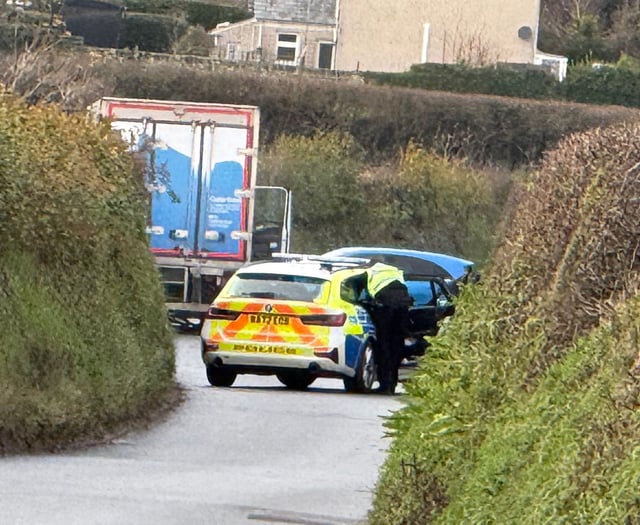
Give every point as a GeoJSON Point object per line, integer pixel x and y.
{"type": "Point", "coordinates": [483, 129]}
{"type": "Point", "coordinates": [322, 173]}
{"type": "Point", "coordinates": [603, 85]}
{"type": "Point", "coordinates": [503, 80]}
{"type": "Point", "coordinates": [99, 29]}
{"type": "Point", "coordinates": [427, 201]}
{"type": "Point", "coordinates": [22, 30]}
{"type": "Point", "coordinates": [209, 16]}
{"type": "Point", "coordinates": [197, 13]}
{"type": "Point", "coordinates": [154, 33]}
{"type": "Point", "coordinates": [84, 340]}
{"type": "Point", "coordinates": [421, 201]}
{"type": "Point", "coordinates": [585, 83]}
{"type": "Point", "coordinates": [194, 42]}
{"type": "Point", "coordinates": [525, 408]}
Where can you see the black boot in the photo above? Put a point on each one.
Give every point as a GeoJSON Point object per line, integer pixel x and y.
{"type": "Point", "coordinates": [386, 388]}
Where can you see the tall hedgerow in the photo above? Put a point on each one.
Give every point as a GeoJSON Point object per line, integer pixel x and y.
{"type": "Point", "coordinates": [525, 410]}
{"type": "Point", "coordinates": [485, 129]}
{"type": "Point", "coordinates": [425, 200]}
{"type": "Point", "coordinates": [84, 341]}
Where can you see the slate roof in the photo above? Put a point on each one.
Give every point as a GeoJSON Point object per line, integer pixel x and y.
{"type": "Point", "coordinates": [302, 11]}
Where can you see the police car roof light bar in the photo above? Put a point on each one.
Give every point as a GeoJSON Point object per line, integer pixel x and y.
{"type": "Point", "coordinates": [330, 261]}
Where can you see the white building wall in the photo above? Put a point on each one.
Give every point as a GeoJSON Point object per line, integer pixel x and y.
{"type": "Point", "coordinates": [379, 35]}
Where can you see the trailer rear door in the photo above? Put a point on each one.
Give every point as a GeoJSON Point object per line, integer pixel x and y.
{"type": "Point", "coordinates": [201, 169]}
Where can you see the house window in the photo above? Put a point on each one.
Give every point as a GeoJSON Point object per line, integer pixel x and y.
{"type": "Point", "coordinates": [287, 48]}
{"type": "Point", "coordinates": [232, 51]}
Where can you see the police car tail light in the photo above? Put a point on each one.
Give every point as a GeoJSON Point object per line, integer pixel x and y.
{"type": "Point", "coordinates": [220, 313]}
{"type": "Point", "coordinates": [324, 319]}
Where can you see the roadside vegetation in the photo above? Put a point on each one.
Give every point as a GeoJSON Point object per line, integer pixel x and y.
{"type": "Point", "coordinates": [525, 410]}
{"type": "Point", "coordinates": [418, 200]}
{"type": "Point", "coordinates": [482, 129]}
{"type": "Point", "coordinates": [367, 164]}
{"type": "Point", "coordinates": [85, 346]}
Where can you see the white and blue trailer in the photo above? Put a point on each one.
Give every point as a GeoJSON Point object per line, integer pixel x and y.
{"type": "Point", "coordinates": [203, 222]}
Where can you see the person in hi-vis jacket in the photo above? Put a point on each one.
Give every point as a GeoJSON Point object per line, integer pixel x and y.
{"type": "Point", "coordinates": [387, 300]}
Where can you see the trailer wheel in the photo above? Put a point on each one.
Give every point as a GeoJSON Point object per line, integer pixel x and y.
{"type": "Point", "coordinates": [366, 373]}
{"type": "Point", "coordinates": [219, 376]}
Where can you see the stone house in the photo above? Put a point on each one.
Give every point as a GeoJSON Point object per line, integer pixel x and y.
{"type": "Point", "coordinates": [384, 35]}
{"type": "Point", "coordinates": [298, 33]}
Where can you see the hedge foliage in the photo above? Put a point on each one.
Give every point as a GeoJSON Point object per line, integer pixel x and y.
{"type": "Point", "coordinates": [504, 81]}
{"type": "Point", "coordinates": [148, 25]}
{"type": "Point", "coordinates": [485, 130]}
{"type": "Point", "coordinates": [585, 83]}
{"type": "Point", "coordinates": [525, 409]}
{"type": "Point", "coordinates": [419, 200]}
{"type": "Point", "coordinates": [19, 32]}
{"type": "Point", "coordinates": [84, 340]}
{"type": "Point", "coordinates": [603, 85]}
{"type": "Point", "coordinates": [202, 14]}
{"type": "Point", "coordinates": [152, 32]}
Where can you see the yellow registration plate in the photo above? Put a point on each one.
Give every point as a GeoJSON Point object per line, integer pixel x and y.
{"type": "Point", "coordinates": [278, 320]}
{"type": "Point", "coordinates": [265, 349]}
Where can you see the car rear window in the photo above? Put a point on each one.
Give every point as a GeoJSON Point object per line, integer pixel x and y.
{"type": "Point", "coordinates": [277, 286]}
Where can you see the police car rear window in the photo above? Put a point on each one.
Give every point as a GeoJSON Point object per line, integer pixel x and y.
{"type": "Point", "coordinates": [277, 286]}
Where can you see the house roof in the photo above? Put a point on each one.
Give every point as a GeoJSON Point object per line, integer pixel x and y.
{"type": "Point", "coordinates": [301, 11]}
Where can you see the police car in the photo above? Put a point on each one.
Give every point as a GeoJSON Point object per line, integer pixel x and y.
{"type": "Point", "coordinates": [296, 317]}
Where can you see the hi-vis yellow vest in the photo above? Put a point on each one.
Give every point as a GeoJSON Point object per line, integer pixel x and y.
{"type": "Point", "coordinates": [380, 275]}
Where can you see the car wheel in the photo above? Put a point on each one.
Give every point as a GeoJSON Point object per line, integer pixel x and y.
{"type": "Point", "coordinates": [219, 376]}
{"type": "Point", "coordinates": [365, 372]}
{"type": "Point", "coordinates": [296, 380]}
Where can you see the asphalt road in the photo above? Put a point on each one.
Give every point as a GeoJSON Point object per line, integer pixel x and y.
{"type": "Point", "coordinates": [254, 453]}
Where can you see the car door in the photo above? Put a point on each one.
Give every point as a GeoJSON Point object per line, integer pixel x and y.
{"type": "Point", "coordinates": [432, 303]}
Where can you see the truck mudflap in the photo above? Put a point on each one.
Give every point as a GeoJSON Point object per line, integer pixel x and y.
{"type": "Point", "coordinates": [186, 317]}
{"type": "Point", "coordinates": [189, 290]}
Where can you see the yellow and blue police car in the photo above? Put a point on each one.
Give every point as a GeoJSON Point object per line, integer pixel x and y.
{"type": "Point", "coordinates": [297, 318]}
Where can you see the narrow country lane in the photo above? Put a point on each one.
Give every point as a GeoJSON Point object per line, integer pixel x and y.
{"type": "Point", "coordinates": [254, 453]}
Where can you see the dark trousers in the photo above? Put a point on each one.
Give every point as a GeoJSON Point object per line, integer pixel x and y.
{"type": "Point", "coordinates": [390, 322]}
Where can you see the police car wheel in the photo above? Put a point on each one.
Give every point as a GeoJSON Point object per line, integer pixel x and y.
{"type": "Point", "coordinates": [219, 376]}
{"type": "Point", "coordinates": [366, 374]}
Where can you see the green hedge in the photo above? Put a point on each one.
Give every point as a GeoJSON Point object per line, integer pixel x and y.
{"type": "Point", "coordinates": [196, 13]}
{"type": "Point", "coordinates": [482, 129]}
{"type": "Point", "coordinates": [525, 409]}
{"type": "Point", "coordinates": [21, 31]}
{"type": "Point", "coordinates": [584, 83]}
{"type": "Point", "coordinates": [603, 85]}
{"type": "Point", "coordinates": [501, 80]}
{"type": "Point", "coordinates": [155, 33]}
{"type": "Point", "coordinates": [419, 200]}
{"type": "Point", "coordinates": [84, 340]}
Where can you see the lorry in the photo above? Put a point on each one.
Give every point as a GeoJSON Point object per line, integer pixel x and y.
{"type": "Point", "coordinates": [207, 216]}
